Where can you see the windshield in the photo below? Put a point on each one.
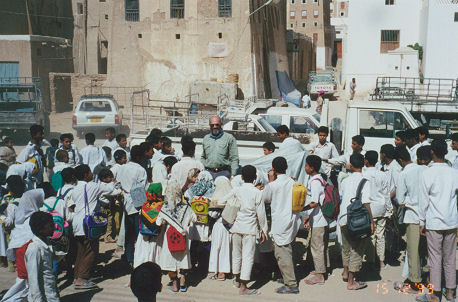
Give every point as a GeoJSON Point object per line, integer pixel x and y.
{"type": "Point", "coordinates": [270, 122]}
{"type": "Point", "coordinates": [95, 106]}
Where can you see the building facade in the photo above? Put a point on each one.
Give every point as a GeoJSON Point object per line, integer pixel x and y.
{"type": "Point", "coordinates": [339, 14]}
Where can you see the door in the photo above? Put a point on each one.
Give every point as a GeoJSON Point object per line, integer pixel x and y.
{"type": "Point", "coordinates": [339, 49]}
{"type": "Point", "coordinates": [9, 69]}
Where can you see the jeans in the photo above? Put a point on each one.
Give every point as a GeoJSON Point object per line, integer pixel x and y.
{"type": "Point", "coordinates": [131, 227]}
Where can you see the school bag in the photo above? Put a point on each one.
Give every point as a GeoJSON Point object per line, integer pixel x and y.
{"type": "Point", "coordinates": [57, 181]}
{"type": "Point", "coordinates": [199, 205]}
{"type": "Point", "coordinates": [138, 194]}
{"type": "Point", "coordinates": [60, 225]}
{"type": "Point", "coordinates": [148, 216]}
{"type": "Point", "coordinates": [175, 240]}
{"type": "Point", "coordinates": [20, 261]}
{"type": "Point", "coordinates": [331, 202]}
{"type": "Point", "coordinates": [358, 217]}
{"type": "Point", "coordinates": [299, 195]}
{"type": "Point", "coordinates": [95, 224]}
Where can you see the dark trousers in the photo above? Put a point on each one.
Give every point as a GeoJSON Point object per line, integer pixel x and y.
{"type": "Point", "coordinates": [86, 255]}
{"type": "Point", "coordinates": [131, 227]}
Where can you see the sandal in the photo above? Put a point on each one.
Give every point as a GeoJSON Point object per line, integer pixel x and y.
{"type": "Point", "coordinates": [287, 290]}
{"type": "Point", "coordinates": [86, 285]}
{"type": "Point", "coordinates": [233, 284]}
{"type": "Point", "coordinates": [358, 286]}
{"type": "Point", "coordinates": [172, 291]}
{"type": "Point", "coordinates": [251, 292]}
{"type": "Point", "coordinates": [183, 288]}
{"type": "Point", "coordinates": [424, 298]}
{"type": "Point", "coordinates": [215, 277]}
{"type": "Point", "coordinates": [311, 280]}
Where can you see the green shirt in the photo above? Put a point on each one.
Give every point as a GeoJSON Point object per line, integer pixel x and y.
{"type": "Point", "coordinates": [220, 152]}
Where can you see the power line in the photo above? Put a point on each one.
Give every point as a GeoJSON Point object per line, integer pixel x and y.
{"type": "Point", "coordinates": [35, 15]}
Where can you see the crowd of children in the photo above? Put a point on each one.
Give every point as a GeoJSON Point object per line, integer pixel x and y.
{"type": "Point", "coordinates": [166, 213]}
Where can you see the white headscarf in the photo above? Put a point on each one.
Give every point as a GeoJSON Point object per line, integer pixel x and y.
{"type": "Point", "coordinates": [30, 202]}
{"type": "Point", "coordinates": [25, 169]}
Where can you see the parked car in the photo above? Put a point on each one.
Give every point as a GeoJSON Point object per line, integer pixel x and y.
{"type": "Point", "coordinates": [96, 113]}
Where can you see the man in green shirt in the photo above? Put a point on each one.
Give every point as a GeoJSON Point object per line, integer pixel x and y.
{"type": "Point", "coordinates": [220, 155]}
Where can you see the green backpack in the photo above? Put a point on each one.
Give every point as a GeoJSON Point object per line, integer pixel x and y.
{"type": "Point", "coordinates": [56, 181]}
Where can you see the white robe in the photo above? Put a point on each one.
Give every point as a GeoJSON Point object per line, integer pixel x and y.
{"type": "Point", "coordinates": [220, 252]}
{"type": "Point", "coordinates": [148, 249]}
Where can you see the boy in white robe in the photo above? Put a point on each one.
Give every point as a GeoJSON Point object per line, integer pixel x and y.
{"type": "Point", "coordinates": [93, 156]}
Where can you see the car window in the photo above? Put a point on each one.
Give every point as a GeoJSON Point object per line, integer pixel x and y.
{"type": "Point", "coordinates": [270, 122]}
{"type": "Point", "coordinates": [375, 123]}
{"type": "Point", "coordinates": [95, 106]}
{"type": "Point", "coordinates": [302, 124]}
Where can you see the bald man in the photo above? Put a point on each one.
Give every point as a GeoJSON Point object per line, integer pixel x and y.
{"type": "Point", "coordinates": [220, 155]}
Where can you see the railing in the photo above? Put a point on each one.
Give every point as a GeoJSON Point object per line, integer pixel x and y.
{"type": "Point", "coordinates": [177, 11]}
{"type": "Point", "coordinates": [132, 14]}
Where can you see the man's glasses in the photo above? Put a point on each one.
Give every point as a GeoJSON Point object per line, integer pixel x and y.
{"type": "Point", "coordinates": [211, 125]}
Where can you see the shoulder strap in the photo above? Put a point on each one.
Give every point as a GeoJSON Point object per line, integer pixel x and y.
{"type": "Point", "coordinates": [323, 183]}
{"type": "Point", "coordinates": [86, 206]}
{"type": "Point", "coordinates": [57, 200]}
{"type": "Point", "coordinates": [65, 193]}
{"type": "Point", "coordinates": [360, 187]}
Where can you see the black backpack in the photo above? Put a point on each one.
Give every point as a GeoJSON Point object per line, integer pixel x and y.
{"type": "Point", "coordinates": [358, 217]}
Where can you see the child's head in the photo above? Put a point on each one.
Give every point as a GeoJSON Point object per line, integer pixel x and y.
{"type": "Point", "coordinates": [136, 154]}
{"type": "Point", "coordinates": [356, 162]}
{"type": "Point", "coordinates": [15, 185]}
{"type": "Point", "coordinates": [62, 156]}
{"type": "Point", "coordinates": [120, 157]}
{"type": "Point", "coordinates": [106, 176]}
{"type": "Point", "coordinates": [121, 139]}
{"type": "Point", "coordinates": [169, 161]}
{"type": "Point", "coordinates": [166, 145]}
{"type": "Point", "coordinates": [54, 142]}
{"type": "Point", "coordinates": [37, 133]}
{"type": "Point", "coordinates": [312, 164]}
{"type": "Point", "coordinates": [110, 133]}
{"type": "Point", "coordinates": [454, 143]}
{"type": "Point", "coordinates": [48, 189]}
{"type": "Point", "coordinates": [156, 132]}
{"type": "Point", "coordinates": [83, 173]}
{"type": "Point", "coordinates": [387, 153]}
{"type": "Point", "coordinates": [268, 148]}
{"type": "Point", "coordinates": [424, 155]}
{"type": "Point", "coordinates": [193, 174]}
{"type": "Point", "coordinates": [147, 149]}
{"type": "Point", "coordinates": [90, 138]}
{"type": "Point", "coordinates": [323, 133]}
{"type": "Point", "coordinates": [155, 140]}
{"type": "Point", "coordinates": [279, 165]}
{"type": "Point", "coordinates": [282, 132]}
{"type": "Point", "coordinates": [357, 143]}
{"type": "Point", "coordinates": [66, 141]}
{"type": "Point", "coordinates": [423, 133]}
{"type": "Point", "coordinates": [107, 151]}
{"type": "Point", "coordinates": [403, 156]}
{"type": "Point", "coordinates": [68, 175]}
{"type": "Point", "coordinates": [188, 148]}
{"type": "Point", "coordinates": [438, 149]}
{"type": "Point", "coordinates": [370, 158]}
{"type": "Point", "coordinates": [249, 174]}
{"type": "Point", "coordinates": [400, 139]}
{"type": "Point", "coordinates": [8, 141]}
{"type": "Point", "coordinates": [411, 137]}
{"type": "Point", "coordinates": [145, 281]}
{"type": "Point", "coordinates": [42, 224]}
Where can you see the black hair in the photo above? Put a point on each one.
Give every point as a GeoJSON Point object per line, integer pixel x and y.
{"type": "Point", "coordinates": [64, 136]}
{"type": "Point", "coordinates": [68, 175]}
{"type": "Point", "coordinates": [35, 129]}
{"type": "Point", "coordinates": [249, 173]}
{"type": "Point", "coordinates": [314, 161]}
{"type": "Point", "coordinates": [439, 147]}
{"type": "Point", "coordinates": [283, 129]}
{"type": "Point", "coordinates": [169, 161]}
{"type": "Point", "coordinates": [186, 138]}
{"type": "Point", "coordinates": [403, 154]}
{"type": "Point", "coordinates": [119, 154]}
{"type": "Point", "coordinates": [423, 130]}
{"type": "Point", "coordinates": [61, 154]}
{"type": "Point", "coordinates": [359, 139]}
{"type": "Point", "coordinates": [146, 146]}
{"type": "Point", "coordinates": [107, 150]}
{"type": "Point", "coordinates": [47, 188]}
{"type": "Point", "coordinates": [15, 185]}
{"type": "Point", "coordinates": [372, 157]}
{"type": "Point", "coordinates": [153, 139]}
{"type": "Point", "coordinates": [424, 153]}
{"type": "Point", "coordinates": [269, 146]}
{"type": "Point", "coordinates": [454, 137]}
{"type": "Point", "coordinates": [90, 138]}
{"type": "Point", "coordinates": [323, 129]}
{"type": "Point", "coordinates": [166, 141]}
{"type": "Point", "coordinates": [7, 139]}
{"type": "Point", "coordinates": [81, 171]}
{"type": "Point", "coordinates": [412, 134]}
{"type": "Point", "coordinates": [156, 132]}
{"type": "Point", "coordinates": [145, 280]}
{"type": "Point", "coordinates": [110, 130]}
{"type": "Point", "coordinates": [54, 142]}
{"type": "Point", "coordinates": [105, 173]}
{"type": "Point", "coordinates": [357, 160]}
{"type": "Point", "coordinates": [280, 165]}
{"type": "Point", "coordinates": [137, 154]}
{"type": "Point", "coordinates": [38, 220]}
{"type": "Point", "coordinates": [120, 136]}
{"type": "Point", "coordinates": [402, 135]}
{"type": "Point", "coordinates": [188, 147]}
{"type": "Point", "coordinates": [388, 150]}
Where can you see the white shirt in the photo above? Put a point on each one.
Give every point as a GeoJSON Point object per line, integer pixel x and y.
{"type": "Point", "coordinates": [41, 279]}
{"type": "Point", "coordinates": [94, 191]}
{"type": "Point", "coordinates": [59, 166]}
{"type": "Point", "coordinates": [408, 190]}
{"type": "Point", "coordinates": [291, 144]}
{"type": "Point", "coordinates": [348, 192]}
{"type": "Point", "coordinates": [129, 174]}
{"type": "Point", "coordinates": [93, 156]}
{"type": "Point", "coordinates": [325, 151]}
{"type": "Point", "coordinates": [157, 157]}
{"type": "Point", "coordinates": [413, 152]}
{"type": "Point", "coordinates": [343, 160]}
{"type": "Point", "coordinates": [455, 163]}
{"type": "Point", "coordinates": [438, 186]}
{"type": "Point", "coordinates": [28, 152]}
{"type": "Point", "coordinates": [425, 143]}
{"type": "Point", "coordinates": [74, 157]}
{"type": "Point", "coordinates": [113, 145]}
{"type": "Point", "coordinates": [180, 169]}
{"type": "Point", "coordinates": [115, 169]}
{"type": "Point", "coordinates": [285, 223]}
{"type": "Point", "coordinates": [393, 169]}
{"type": "Point", "coordinates": [380, 183]}
{"type": "Point", "coordinates": [252, 211]}
{"type": "Point", "coordinates": [315, 193]}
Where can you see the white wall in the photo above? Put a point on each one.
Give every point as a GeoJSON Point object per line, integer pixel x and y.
{"type": "Point", "coordinates": [440, 46]}
{"type": "Point", "coordinates": [365, 21]}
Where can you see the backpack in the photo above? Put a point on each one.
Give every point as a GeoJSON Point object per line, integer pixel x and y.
{"type": "Point", "coordinates": [358, 217]}
{"type": "Point", "coordinates": [299, 195]}
{"type": "Point", "coordinates": [175, 240]}
{"type": "Point", "coordinates": [57, 181]}
{"type": "Point", "coordinates": [148, 216]}
{"type": "Point", "coordinates": [61, 226]}
{"type": "Point", "coordinates": [138, 194]}
{"type": "Point", "coordinates": [331, 202]}
{"type": "Point", "coordinates": [20, 261]}
{"type": "Point", "coordinates": [199, 205]}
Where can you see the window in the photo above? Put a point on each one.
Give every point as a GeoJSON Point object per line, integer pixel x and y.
{"type": "Point", "coordinates": [293, 1]}
{"type": "Point", "coordinates": [291, 25]}
{"type": "Point", "coordinates": [79, 6]}
{"type": "Point", "coordinates": [177, 36]}
{"type": "Point", "coordinates": [132, 10]}
{"type": "Point", "coordinates": [302, 124]}
{"type": "Point", "coordinates": [304, 1]}
{"type": "Point", "coordinates": [303, 24]}
{"type": "Point", "coordinates": [389, 40]}
{"type": "Point", "coordinates": [315, 24]}
{"type": "Point", "coordinates": [389, 2]}
{"type": "Point", "coordinates": [381, 123]}
{"type": "Point", "coordinates": [106, 17]}
{"type": "Point", "coordinates": [220, 35]}
{"type": "Point", "coordinates": [270, 122]}
{"type": "Point", "coordinates": [315, 1]}
{"type": "Point", "coordinates": [292, 15]}
{"type": "Point", "coordinates": [304, 14]}
{"type": "Point", "coordinates": [315, 37]}
{"type": "Point", "coordinates": [315, 14]}
{"type": "Point", "coordinates": [456, 17]}
{"type": "Point", "coordinates": [140, 36]}
{"type": "Point", "coordinates": [177, 9]}
{"type": "Point", "coordinates": [342, 14]}
{"type": "Point", "coordinates": [97, 106]}
{"type": "Point", "coordinates": [225, 8]}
